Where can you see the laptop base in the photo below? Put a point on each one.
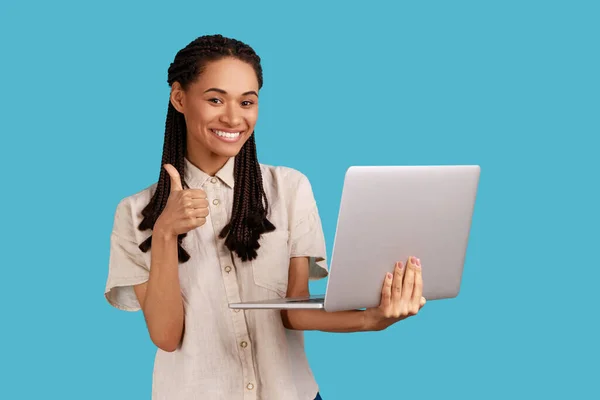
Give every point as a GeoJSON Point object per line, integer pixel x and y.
{"type": "Point", "coordinates": [307, 303]}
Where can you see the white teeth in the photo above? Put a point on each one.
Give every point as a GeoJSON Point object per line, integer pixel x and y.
{"type": "Point", "coordinates": [228, 135]}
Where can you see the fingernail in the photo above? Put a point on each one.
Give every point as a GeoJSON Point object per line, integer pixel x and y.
{"type": "Point", "coordinates": [389, 275]}
{"type": "Point", "coordinates": [419, 262]}
{"type": "Point", "coordinates": [413, 260]}
{"type": "Point", "coordinates": [399, 264]}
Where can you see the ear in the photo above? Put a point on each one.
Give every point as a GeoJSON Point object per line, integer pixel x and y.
{"type": "Point", "coordinates": [177, 96]}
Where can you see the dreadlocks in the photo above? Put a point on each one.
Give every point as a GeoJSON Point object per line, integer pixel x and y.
{"type": "Point", "coordinates": [250, 204]}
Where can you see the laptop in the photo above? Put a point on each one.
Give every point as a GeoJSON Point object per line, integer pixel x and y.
{"type": "Point", "coordinates": [387, 214]}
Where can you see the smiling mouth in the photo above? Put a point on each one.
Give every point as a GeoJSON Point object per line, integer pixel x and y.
{"type": "Point", "coordinates": [227, 135]}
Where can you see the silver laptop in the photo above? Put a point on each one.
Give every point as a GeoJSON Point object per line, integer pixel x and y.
{"type": "Point", "coordinates": [388, 213]}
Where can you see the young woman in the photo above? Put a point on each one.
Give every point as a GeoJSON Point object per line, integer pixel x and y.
{"type": "Point", "coordinates": [219, 227]}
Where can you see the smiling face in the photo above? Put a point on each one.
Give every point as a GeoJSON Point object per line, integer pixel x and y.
{"type": "Point", "coordinates": [220, 110]}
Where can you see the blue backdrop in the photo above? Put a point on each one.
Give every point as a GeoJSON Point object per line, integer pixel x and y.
{"type": "Point", "coordinates": [510, 85]}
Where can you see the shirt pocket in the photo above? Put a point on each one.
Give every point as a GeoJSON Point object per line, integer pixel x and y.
{"type": "Point", "coordinates": [270, 269]}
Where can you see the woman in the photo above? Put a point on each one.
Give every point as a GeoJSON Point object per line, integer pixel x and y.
{"type": "Point", "coordinates": [218, 227]}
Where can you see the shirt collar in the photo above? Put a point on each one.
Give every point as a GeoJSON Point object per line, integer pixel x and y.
{"type": "Point", "coordinates": [196, 177]}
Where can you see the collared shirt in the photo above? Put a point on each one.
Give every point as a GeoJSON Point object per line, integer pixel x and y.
{"type": "Point", "coordinates": [227, 354]}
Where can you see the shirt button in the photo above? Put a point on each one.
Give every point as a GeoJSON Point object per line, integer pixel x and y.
{"type": "Point", "coordinates": [213, 180]}
{"type": "Point", "coordinates": [228, 269]}
{"type": "Point", "coordinates": [244, 344]}
{"type": "Point", "coordinates": [216, 202]}
{"type": "Point", "coordinates": [250, 386]}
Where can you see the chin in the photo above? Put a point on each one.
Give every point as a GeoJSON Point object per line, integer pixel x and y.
{"type": "Point", "coordinates": [228, 150]}
{"type": "Point", "coordinates": [230, 153]}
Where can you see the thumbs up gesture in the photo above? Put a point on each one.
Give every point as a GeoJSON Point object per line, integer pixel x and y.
{"type": "Point", "coordinates": [185, 209]}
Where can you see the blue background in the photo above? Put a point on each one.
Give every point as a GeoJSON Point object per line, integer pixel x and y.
{"type": "Point", "coordinates": [510, 85]}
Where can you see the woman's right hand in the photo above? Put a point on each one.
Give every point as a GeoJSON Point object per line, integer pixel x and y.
{"type": "Point", "coordinates": [185, 209]}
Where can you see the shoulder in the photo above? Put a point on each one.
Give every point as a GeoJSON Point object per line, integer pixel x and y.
{"type": "Point", "coordinates": [288, 186]}
{"type": "Point", "coordinates": [283, 176]}
{"type": "Point", "coordinates": [128, 212]}
{"type": "Point", "coordinates": [136, 201]}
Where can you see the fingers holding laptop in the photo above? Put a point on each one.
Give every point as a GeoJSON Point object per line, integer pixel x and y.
{"type": "Point", "coordinates": [410, 299]}
{"type": "Point", "coordinates": [417, 299]}
{"type": "Point", "coordinates": [401, 296]}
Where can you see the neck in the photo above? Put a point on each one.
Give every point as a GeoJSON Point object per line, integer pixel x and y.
{"type": "Point", "coordinates": [210, 163]}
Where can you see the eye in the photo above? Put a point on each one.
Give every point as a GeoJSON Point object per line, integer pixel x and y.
{"type": "Point", "coordinates": [214, 100]}
{"type": "Point", "coordinates": [247, 103]}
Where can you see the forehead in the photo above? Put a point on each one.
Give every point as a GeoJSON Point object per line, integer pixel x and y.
{"type": "Point", "coordinates": [230, 74]}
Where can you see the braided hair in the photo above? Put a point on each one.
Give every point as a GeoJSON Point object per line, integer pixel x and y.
{"type": "Point", "coordinates": [250, 204]}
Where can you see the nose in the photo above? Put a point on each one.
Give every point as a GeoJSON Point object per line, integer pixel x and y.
{"type": "Point", "coordinates": [231, 116]}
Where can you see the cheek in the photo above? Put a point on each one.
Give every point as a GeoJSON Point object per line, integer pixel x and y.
{"type": "Point", "coordinates": [200, 115]}
{"type": "Point", "coordinates": [252, 117]}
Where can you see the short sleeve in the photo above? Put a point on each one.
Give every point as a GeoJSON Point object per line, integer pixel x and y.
{"type": "Point", "coordinates": [126, 266]}
{"type": "Point", "coordinates": [306, 231]}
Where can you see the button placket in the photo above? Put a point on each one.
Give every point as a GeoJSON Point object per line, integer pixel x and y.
{"type": "Point", "coordinates": [219, 217]}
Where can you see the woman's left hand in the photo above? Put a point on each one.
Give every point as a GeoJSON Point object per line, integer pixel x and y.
{"type": "Point", "coordinates": [401, 297]}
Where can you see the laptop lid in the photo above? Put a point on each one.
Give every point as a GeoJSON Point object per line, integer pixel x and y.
{"type": "Point", "coordinates": [388, 213]}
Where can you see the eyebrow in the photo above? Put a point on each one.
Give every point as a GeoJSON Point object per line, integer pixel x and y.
{"type": "Point", "coordinates": [224, 92]}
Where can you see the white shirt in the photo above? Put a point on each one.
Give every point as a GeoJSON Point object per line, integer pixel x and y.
{"type": "Point", "coordinates": [227, 354]}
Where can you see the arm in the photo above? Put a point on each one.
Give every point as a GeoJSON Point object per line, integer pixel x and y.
{"type": "Point", "coordinates": [160, 297]}
{"type": "Point", "coordinates": [400, 298]}
{"type": "Point", "coordinates": [341, 321]}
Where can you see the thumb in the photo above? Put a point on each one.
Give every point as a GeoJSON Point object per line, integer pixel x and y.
{"type": "Point", "coordinates": [175, 178]}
